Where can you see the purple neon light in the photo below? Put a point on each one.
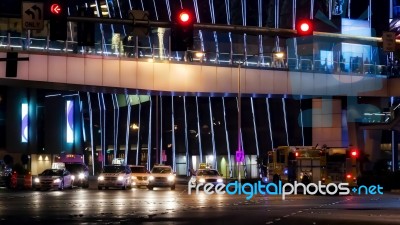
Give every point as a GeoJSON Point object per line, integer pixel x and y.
{"type": "Point", "coordinates": [24, 123]}
{"type": "Point", "coordinates": [70, 122]}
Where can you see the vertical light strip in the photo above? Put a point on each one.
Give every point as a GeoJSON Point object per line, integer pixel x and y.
{"type": "Point", "coordinates": [128, 123]}
{"type": "Point", "coordinates": [138, 133]}
{"type": "Point", "coordinates": [199, 131]}
{"type": "Point", "coordinates": [173, 135]}
{"type": "Point", "coordinates": [117, 127]}
{"type": "Point", "coordinates": [301, 121]}
{"type": "Point", "coordinates": [69, 112]}
{"type": "Point", "coordinates": [212, 134]}
{"type": "Point", "coordinates": [240, 132]}
{"type": "Point", "coordinates": [103, 40]}
{"type": "Point", "coordinates": [114, 125]}
{"type": "Point", "coordinates": [161, 129]}
{"type": "Point", "coordinates": [196, 9]}
{"type": "Point", "coordinates": [155, 9]}
{"type": "Point", "coordinates": [255, 127]}
{"type": "Point", "coordinates": [104, 129]}
{"type": "Point", "coordinates": [82, 119]}
{"type": "Point", "coordinates": [227, 140]}
{"type": "Point", "coordinates": [260, 37]}
{"type": "Point", "coordinates": [149, 36]}
{"type": "Point", "coordinates": [228, 21]}
{"type": "Point", "coordinates": [212, 12]}
{"type": "Point", "coordinates": [269, 123]}
{"type": "Point", "coordinates": [169, 11]}
{"type": "Point", "coordinates": [101, 128]}
{"type": "Point", "coordinates": [186, 139]}
{"type": "Point", "coordinates": [294, 9]}
{"type": "Point", "coordinates": [284, 117]}
{"type": "Point", "coordinates": [24, 122]}
{"type": "Point", "coordinates": [312, 10]}
{"type": "Point", "coordinates": [244, 16]}
{"type": "Point", "coordinates": [91, 130]}
{"type": "Point", "coordinates": [149, 137]}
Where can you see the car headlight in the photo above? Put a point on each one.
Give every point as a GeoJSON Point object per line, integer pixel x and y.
{"type": "Point", "coordinates": [37, 180]}
{"type": "Point", "coordinates": [100, 178]}
{"type": "Point", "coordinates": [120, 178]}
{"type": "Point", "coordinates": [151, 178]}
{"type": "Point", "coordinates": [72, 177]}
{"type": "Point", "coordinates": [202, 180]}
{"type": "Point", "coordinates": [171, 178]}
{"type": "Point", "coordinates": [81, 176]}
{"type": "Point", "coordinates": [219, 180]}
{"type": "Point", "coordinates": [58, 180]}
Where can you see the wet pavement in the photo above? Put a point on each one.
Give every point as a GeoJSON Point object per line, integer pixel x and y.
{"type": "Point", "coordinates": [164, 206]}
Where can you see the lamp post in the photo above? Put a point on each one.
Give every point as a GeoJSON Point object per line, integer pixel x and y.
{"type": "Point", "coordinates": [239, 153]}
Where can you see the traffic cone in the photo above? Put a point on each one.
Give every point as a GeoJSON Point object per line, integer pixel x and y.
{"type": "Point", "coordinates": [13, 183]}
{"type": "Point", "coordinates": [28, 181]}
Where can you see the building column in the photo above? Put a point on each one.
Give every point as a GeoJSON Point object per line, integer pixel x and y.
{"type": "Point", "coordinates": [160, 33]}
{"type": "Point", "coordinates": [327, 127]}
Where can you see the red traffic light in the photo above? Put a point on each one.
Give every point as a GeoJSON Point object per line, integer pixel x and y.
{"type": "Point", "coordinates": [305, 27]}
{"type": "Point", "coordinates": [184, 17]}
{"type": "Point", "coordinates": [55, 9]}
{"type": "Point", "coordinates": [354, 153]}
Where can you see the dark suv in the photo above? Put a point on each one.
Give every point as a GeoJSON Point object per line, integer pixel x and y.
{"type": "Point", "coordinates": [80, 172]}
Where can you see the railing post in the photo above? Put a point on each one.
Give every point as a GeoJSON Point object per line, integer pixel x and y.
{"type": "Point", "coordinates": [136, 46]}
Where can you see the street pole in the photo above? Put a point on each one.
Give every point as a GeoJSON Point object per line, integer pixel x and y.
{"type": "Point", "coordinates": [239, 122]}
{"type": "Point", "coordinates": [157, 130]}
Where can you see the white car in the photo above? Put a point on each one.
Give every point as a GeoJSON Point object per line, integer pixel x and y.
{"type": "Point", "coordinates": [204, 176]}
{"type": "Point", "coordinates": [117, 176]}
{"type": "Point", "coordinates": [161, 176]}
{"type": "Point", "coordinates": [54, 179]}
{"type": "Point", "coordinates": [139, 176]}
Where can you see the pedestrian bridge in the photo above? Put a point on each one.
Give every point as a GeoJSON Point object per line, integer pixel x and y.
{"type": "Point", "coordinates": [83, 71]}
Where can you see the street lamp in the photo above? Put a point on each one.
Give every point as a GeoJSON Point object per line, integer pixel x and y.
{"type": "Point", "coordinates": [239, 152]}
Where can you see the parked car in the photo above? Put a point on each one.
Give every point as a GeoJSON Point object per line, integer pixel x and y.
{"type": "Point", "coordinates": [161, 176]}
{"type": "Point", "coordinates": [117, 176]}
{"type": "Point", "coordinates": [5, 173]}
{"type": "Point", "coordinates": [80, 172]}
{"type": "Point", "coordinates": [54, 179]}
{"type": "Point", "coordinates": [139, 176]}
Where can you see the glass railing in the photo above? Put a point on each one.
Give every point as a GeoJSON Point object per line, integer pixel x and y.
{"type": "Point", "coordinates": [227, 53]}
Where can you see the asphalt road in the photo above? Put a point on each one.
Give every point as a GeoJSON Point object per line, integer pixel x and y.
{"type": "Point", "coordinates": [163, 206]}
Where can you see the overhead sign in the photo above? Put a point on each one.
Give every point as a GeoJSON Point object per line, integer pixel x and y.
{"type": "Point", "coordinates": [239, 156]}
{"type": "Point", "coordinates": [32, 16]}
{"type": "Point", "coordinates": [389, 41]}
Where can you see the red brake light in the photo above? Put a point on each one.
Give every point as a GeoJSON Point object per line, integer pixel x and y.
{"type": "Point", "coordinates": [348, 176]}
{"type": "Point", "coordinates": [354, 153]}
{"type": "Point", "coordinates": [297, 154]}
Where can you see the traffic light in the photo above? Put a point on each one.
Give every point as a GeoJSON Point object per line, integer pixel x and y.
{"type": "Point", "coordinates": [58, 20]}
{"type": "Point", "coordinates": [304, 27]}
{"type": "Point", "coordinates": [182, 31]}
{"type": "Point", "coordinates": [86, 30]}
{"type": "Point", "coordinates": [354, 153]}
